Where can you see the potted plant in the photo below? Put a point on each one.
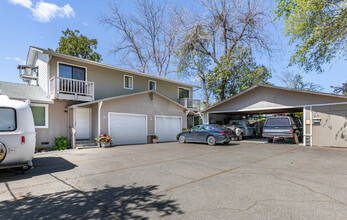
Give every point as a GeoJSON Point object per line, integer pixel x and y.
{"type": "Point", "coordinates": [155, 139]}
{"type": "Point", "coordinates": [104, 140]}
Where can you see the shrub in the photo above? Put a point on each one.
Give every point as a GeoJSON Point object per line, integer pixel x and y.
{"type": "Point", "coordinates": [103, 138]}
{"type": "Point", "coordinates": [61, 143]}
{"type": "Point", "coordinates": [155, 137]}
{"type": "Point", "coordinates": [185, 129]}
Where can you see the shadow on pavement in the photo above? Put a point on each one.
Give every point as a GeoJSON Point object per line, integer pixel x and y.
{"type": "Point", "coordinates": [42, 165]}
{"type": "Point", "coordinates": [125, 202]}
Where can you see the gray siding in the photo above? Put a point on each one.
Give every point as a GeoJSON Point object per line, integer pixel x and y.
{"type": "Point", "coordinates": [110, 83]}
{"type": "Point", "coordinates": [332, 131]}
{"type": "Point", "coordinates": [268, 98]}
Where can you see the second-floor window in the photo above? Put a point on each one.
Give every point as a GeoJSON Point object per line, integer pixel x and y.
{"type": "Point", "coordinates": [183, 93]}
{"type": "Point", "coordinates": [72, 72]}
{"type": "Point", "coordinates": [128, 82]}
{"type": "Point", "coordinates": [151, 85]}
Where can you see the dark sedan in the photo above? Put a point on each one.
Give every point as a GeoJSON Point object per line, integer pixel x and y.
{"type": "Point", "coordinates": [207, 133]}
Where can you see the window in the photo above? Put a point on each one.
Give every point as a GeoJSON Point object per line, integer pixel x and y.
{"type": "Point", "coordinates": [183, 93]}
{"type": "Point", "coordinates": [205, 128]}
{"type": "Point", "coordinates": [128, 82]}
{"type": "Point", "coordinates": [151, 85]}
{"type": "Point", "coordinates": [40, 114]}
{"type": "Point", "coordinates": [277, 122]}
{"type": "Point", "coordinates": [72, 72]}
{"type": "Point", "coordinates": [8, 119]}
{"type": "Point", "coordinates": [195, 128]}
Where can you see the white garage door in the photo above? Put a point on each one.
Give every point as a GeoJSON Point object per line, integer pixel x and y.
{"type": "Point", "coordinates": [127, 128]}
{"type": "Point", "coordinates": [167, 127]}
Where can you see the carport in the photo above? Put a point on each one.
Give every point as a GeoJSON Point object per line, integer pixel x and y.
{"type": "Point", "coordinates": [324, 116]}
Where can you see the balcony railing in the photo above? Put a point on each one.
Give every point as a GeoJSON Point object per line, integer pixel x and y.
{"type": "Point", "coordinates": [28, 73]}
{"type": "Point", "coordinates": [71, 89]}
{"type": "Point", "coordinates": [193, 104]}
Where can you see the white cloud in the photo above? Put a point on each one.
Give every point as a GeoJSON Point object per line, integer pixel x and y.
{"type": "Point", "coordinates": [44, 12]}
{"type": "Point", "coordinates": [24, 3]}
{"type": "Point", "coordinates": [85, 23]}
{"type": "Point", "coordinates": [17, 59]}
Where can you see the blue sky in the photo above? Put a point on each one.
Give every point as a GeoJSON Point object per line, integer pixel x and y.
{"type": "Point", "coordinates": [40, 22]}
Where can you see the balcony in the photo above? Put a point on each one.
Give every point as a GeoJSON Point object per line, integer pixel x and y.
{"type": "Point", "coordinates": [71, 89]}
{"type": "Point", "coordinates": [192, 104]}
{"type": "Point", "coordinates": [28, 73]}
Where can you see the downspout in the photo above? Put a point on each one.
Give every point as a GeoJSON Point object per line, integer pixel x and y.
{"type": "Point", "coordinates": [99, 117]}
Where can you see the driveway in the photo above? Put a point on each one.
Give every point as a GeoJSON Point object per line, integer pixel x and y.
{"type": "Point", "coordinates": [173, 181]}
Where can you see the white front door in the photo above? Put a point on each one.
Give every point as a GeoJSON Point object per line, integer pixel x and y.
{"type": "Point", "coordinates": [82, 123]}
{"type": "Point", "coordinates": [167, 127]}
{"type": "Point", "coordinates": [127, 128]}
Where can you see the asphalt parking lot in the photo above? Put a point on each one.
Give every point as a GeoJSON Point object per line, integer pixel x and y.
{"type": "Point", "coordinates": [190, 181]}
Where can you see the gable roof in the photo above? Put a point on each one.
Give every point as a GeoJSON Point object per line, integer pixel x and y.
{"type": "Point", "coordinates": [33, 50]}
{"type": "Point", "coordinates": [24, 92]}
{"type": "Point", "coordinates": [274, 87]}
{"type": "Point", "coordinates": [129, 95]}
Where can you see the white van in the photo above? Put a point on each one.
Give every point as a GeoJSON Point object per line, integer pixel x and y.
{"type": "Point", "coordinates": [17, 134]}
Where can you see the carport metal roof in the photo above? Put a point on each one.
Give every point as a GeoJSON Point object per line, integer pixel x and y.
{"type": "Point", "coordinates": [272, 99]}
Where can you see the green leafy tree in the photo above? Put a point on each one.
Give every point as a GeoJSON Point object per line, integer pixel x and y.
{"type": "Point", "coordinates": [193, 63]}
{"type": "Point", "coordinates": [75, 44]}
{"type": "Point", "coordinates": [296, 81]}
{"type": "Point", "coordinates": [317, 28]}
{"type": "Point", "coordinates": [239, 75]}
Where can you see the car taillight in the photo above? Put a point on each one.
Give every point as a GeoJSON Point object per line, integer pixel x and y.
{"type": "Point", "coordinates": [291, 130]}
{"type": "Point", "coordinates": [23, 140]}
{"type": "Point", "coordinates": [223, 132]}
{"type": "Point", "coordinates": [263, 130]}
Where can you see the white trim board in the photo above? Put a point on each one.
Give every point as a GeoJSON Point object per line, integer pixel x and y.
{"type": "Point", "coordinates": [155, 83]}
{"type": "Point", "coordinates": [132, 82]}
{"type": "Point", "coordinates": [178, 92]}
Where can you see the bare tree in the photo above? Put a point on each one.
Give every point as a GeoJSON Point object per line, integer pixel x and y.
{"type": "Point", "coordinates": [147, 36]}
{"type": "Point", "coordinates": [227, 29]}
{"type": "Point", "coordinates": [296, 81]}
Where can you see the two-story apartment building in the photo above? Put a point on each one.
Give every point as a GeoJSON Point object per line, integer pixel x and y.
{"type": "Point", "coordinates": [70, 93]}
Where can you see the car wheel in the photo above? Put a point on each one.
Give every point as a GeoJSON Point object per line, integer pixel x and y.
{"type": "Point", "coordinates": [182, 139]}
{"type": "Point", "coordinates": [270, 140]}
{"type": "Point", "coordinates": [240, 137]}
{"type": "Point", "coordinates": [211, 140]}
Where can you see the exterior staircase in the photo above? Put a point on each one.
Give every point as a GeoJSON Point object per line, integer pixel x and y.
{"type": "Point", "coordinates": [86, 144]}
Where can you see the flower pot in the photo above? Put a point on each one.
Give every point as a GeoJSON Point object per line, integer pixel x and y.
{"type": "Point", "coordinates": [154, 141]}
{"type": "Point", "coordinates": [105, 144]}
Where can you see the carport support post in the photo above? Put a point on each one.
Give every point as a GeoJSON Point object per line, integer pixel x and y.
{"type": "Point", "coordinates": [99, 117]}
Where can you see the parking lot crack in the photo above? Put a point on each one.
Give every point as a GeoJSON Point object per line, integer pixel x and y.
{"type": "Point", "coordinates": [232, 169]}
{"type": "Point", "coordinates": [312, 190]}
{"type": "Point", "coordinates": [176, 174]}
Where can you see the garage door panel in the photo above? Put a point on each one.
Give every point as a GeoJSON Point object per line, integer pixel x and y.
{"type": "Point", "coordinates": [167, 127]}
{"type": "Point", "coordinates": [128, 129]}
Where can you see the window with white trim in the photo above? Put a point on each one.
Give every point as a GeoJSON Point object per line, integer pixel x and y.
{"type": "Point", "coordinates": [128, 82]}
{"type": "Point", "coordinates": [40, 114]}
{"type": "Point", "coordinates": [72, 72]}
{"type": "Point", "coordinates": [152, 85]}
{"type": "Point", "coordinates": [183, 93]}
